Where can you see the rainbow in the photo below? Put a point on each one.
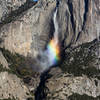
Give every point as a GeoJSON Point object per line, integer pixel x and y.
{"type": "Point", "coordinates": [53, 51]}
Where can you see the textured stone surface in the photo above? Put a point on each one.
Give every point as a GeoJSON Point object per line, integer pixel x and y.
{"type": "Point", "coordinates": [91, 23]}
{"type": "Point", "coordinates": [65, 86]}
{"type": "Point", "coordinates": [30, 32]}
{"type": "Point", "coordinates": [7, 6]}
{"type": "Point", "coordinates": [79, 20]}
{"type": "Point", "coordinates": [27, 32]}
{"type": "Point", "coordinates": [60, 86]}
{"type": "Point", "coordinates": [11, 86]}
{"type": "Point", "coordinates": [79, 73]}
{"type": "Point", "coordinates": [83, 59]}
{"type": "Point", "coordinates": [3, 61]}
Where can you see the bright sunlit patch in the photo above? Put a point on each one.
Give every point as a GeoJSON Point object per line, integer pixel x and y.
{"type": "Point", "coordinates": [53, 51]}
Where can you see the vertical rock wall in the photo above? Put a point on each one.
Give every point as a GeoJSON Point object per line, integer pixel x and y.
{"type": "Point", "coordinates": [30, 31]}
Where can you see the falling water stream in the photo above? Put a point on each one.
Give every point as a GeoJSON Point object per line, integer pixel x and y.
{"type": "Point", "coordinates": [51, 57]}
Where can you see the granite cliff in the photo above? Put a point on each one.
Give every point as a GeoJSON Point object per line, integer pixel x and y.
{"type": "Point", "coordinates": [26, 28]}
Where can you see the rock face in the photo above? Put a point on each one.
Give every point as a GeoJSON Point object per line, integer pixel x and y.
{"type": "Point", "coordinates": [7, 6]}
{"type": "Point", "coordinates": [79, 20]}
{"type": "Point", "coordinates": [61, 86]}
{"type": "Point", "coordinates": [3, 61]}
{"type": "Point", "coordinates": [26, 28]}
{"type": "Point", "coordinates": [80, 75]}
{"type": "Point", "coordinates": [18, 81]}
{"type": "Point", "coordinates": [12, 87]}
{"type": "Point", "coordinates": [30, 32]}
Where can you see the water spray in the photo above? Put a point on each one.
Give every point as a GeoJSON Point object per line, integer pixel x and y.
{"type": "Point", "coordinates": [53, 47]}
{"type": "Point", "coordinates": [51, 56]}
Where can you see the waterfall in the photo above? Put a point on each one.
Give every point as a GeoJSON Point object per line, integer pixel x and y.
{"type": "Point", "coordinates": [53, 46]}
{"type": "Point", "coordinates": [55, 26]}
{"type": "Point", "coordinates": [51, 56]}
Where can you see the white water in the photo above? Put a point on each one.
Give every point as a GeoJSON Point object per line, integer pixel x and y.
{"type": "Point", "coordinates": [45, 60]}
{"type": "Point", "coordinates": [50, 55]}
{"type": "Point", "coordinates": [56, 27]}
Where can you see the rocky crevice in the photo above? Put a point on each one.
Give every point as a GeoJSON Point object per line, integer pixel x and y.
{"type": "Point", "coordinates": [86, 12]}
{"type": "Point", "coordinates": [78, 73]}
{"type": "Point", "coordinates": [86, 8]}
{"type": "Point", "coordinates": [70, 6]}
{"type": "Point", "coordinates": [40, 93]}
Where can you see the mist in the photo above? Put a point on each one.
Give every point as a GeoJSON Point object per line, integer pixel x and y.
{"type": "Point", "coordinates": [47, 58]}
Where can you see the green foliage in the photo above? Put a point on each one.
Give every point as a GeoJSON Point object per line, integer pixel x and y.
{"type": "Point", "coordinates": [81, 61]}
{"type": "Point", "coordinates": [82, 97]}
{"type": "Point", "coordinates": [17, 64]}
{"type": "Point", "coordinates": [1, 68]}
